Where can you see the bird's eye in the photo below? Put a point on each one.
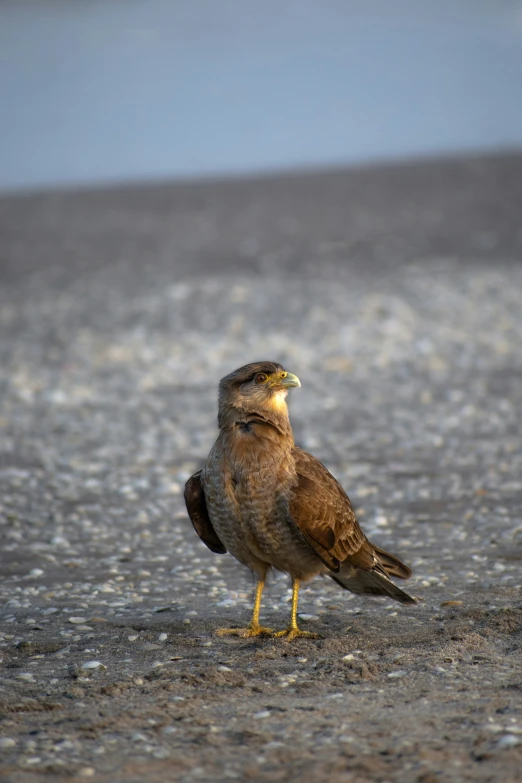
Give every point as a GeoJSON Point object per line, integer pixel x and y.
{"type": "Point", "coordinates": [261, 377]}
{"type": "Point", "coordinates": [284, 374]}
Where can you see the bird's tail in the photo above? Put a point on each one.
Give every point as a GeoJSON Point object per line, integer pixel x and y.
{"type": "Point", "coordinates": [374, 582]}
{"type": "Point", "coordinates": [392, 565]}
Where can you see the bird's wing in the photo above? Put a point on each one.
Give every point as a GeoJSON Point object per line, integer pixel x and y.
{"type": "Point", "coordinates": [198, 513]}
{"type": "Point", "coordinates": [321, 509]}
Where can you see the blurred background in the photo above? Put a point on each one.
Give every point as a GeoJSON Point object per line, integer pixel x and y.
{"type": "Point", "coordinates": [107, 91]}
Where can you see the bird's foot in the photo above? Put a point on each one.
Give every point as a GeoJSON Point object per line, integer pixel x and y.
{"type": "Point", "coordinates": [290, 634]}
{"type": "Point", "coordinates": [245, 633]}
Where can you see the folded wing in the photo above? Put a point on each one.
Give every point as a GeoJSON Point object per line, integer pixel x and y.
{"type": "Point", "coordinates": [198, 513]}
{"type": "Point", "coordinates": [322, 511]}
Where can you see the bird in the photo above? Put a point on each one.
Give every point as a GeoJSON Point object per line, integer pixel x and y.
{"type": "Point", "coordinates": [273, 505]}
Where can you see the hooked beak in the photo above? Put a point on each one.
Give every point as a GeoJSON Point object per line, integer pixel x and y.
{"type": "Point", "coordinates": [289, 380]}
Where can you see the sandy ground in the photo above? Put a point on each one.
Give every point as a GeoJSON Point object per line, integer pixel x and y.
{"type": "Point", "coordinates": [394, 293]}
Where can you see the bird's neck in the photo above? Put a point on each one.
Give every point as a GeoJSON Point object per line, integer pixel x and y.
{"type": "Point", "coordinates": [272, 422]}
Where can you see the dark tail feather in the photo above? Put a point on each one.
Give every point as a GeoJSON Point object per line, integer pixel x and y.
{"type": "Point", "coordinates": [362, 582]}
{"type": "Point", "coordinates": [392, 565]}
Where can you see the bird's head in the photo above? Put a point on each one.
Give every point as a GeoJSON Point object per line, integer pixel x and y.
{"type": "Point", "coordinates": [260, 387]}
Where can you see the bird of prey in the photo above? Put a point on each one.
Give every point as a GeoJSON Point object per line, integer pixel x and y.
{"type": "Point", "coordinates": [273, 505]}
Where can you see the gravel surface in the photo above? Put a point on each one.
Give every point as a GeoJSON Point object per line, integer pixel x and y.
{"type": "Point", "coordinates": [395, 295]}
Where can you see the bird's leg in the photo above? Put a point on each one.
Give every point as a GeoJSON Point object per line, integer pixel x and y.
{"type": "Point", "coordinates": [253, 629]}
{"type": "Point", "coordinates": [293, 632]}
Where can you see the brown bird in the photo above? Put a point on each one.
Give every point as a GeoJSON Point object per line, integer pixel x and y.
{"type": "Point", "coordinates": [273, 505]}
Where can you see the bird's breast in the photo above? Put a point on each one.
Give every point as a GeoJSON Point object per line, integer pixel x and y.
{"type": "Point", "coordinates": [247, 481]}
{"type": "Point", "coordinates": [260, 471]}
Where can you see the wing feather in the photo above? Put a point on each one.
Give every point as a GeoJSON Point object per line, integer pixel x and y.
{"type": "Point", "coordinates": [321, 509]}
{"type": "Point", "coordinates": [198, 513]}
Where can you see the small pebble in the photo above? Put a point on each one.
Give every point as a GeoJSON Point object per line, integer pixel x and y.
{"type": "Point", "coordinates": [396, 675]}
{"type": "Point", "coordinates": [162, 637]}
{"type": "Point", "coordinates": [508, 741]}
{"type": "Point", "coordinates": [262, 714]}
{"type": "Point", "coordinates": [161, 753]}
{"type": "Point", "coordinates": [132, 638]}
{"type": "Point", "coordinates": [452, 603]}
{"type": "Point", "coordinates": [496, 728]}
{"type": "Point", "coordinates": [93, 665]}
{"type": "Point", "coordinates": [6, 743]}
{"type": "Point", "coordinates": [25, 677]}
{"type": "Point", "coordinates": [87, 772]}
{"type": "Point", "coordinates": [77, 620]}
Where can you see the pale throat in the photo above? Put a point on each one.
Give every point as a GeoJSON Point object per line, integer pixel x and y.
{"type": "Point", "coordinates": [278, 401]}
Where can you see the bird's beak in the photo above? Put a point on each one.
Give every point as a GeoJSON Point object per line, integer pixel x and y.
{"type": "Point", "coordinates": [289, 380]}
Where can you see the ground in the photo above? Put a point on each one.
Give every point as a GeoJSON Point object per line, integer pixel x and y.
{"type": "Point", "coordinates": [394, 293]}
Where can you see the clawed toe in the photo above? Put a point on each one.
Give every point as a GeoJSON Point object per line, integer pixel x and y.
{"type": "Point", "coordinates": [289, 634]}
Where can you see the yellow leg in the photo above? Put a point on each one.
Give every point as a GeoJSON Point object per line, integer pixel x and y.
{"type": "Point", "coordinates": [293, 632]}
{"type": "Point", "coordinates": [253, 629]}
